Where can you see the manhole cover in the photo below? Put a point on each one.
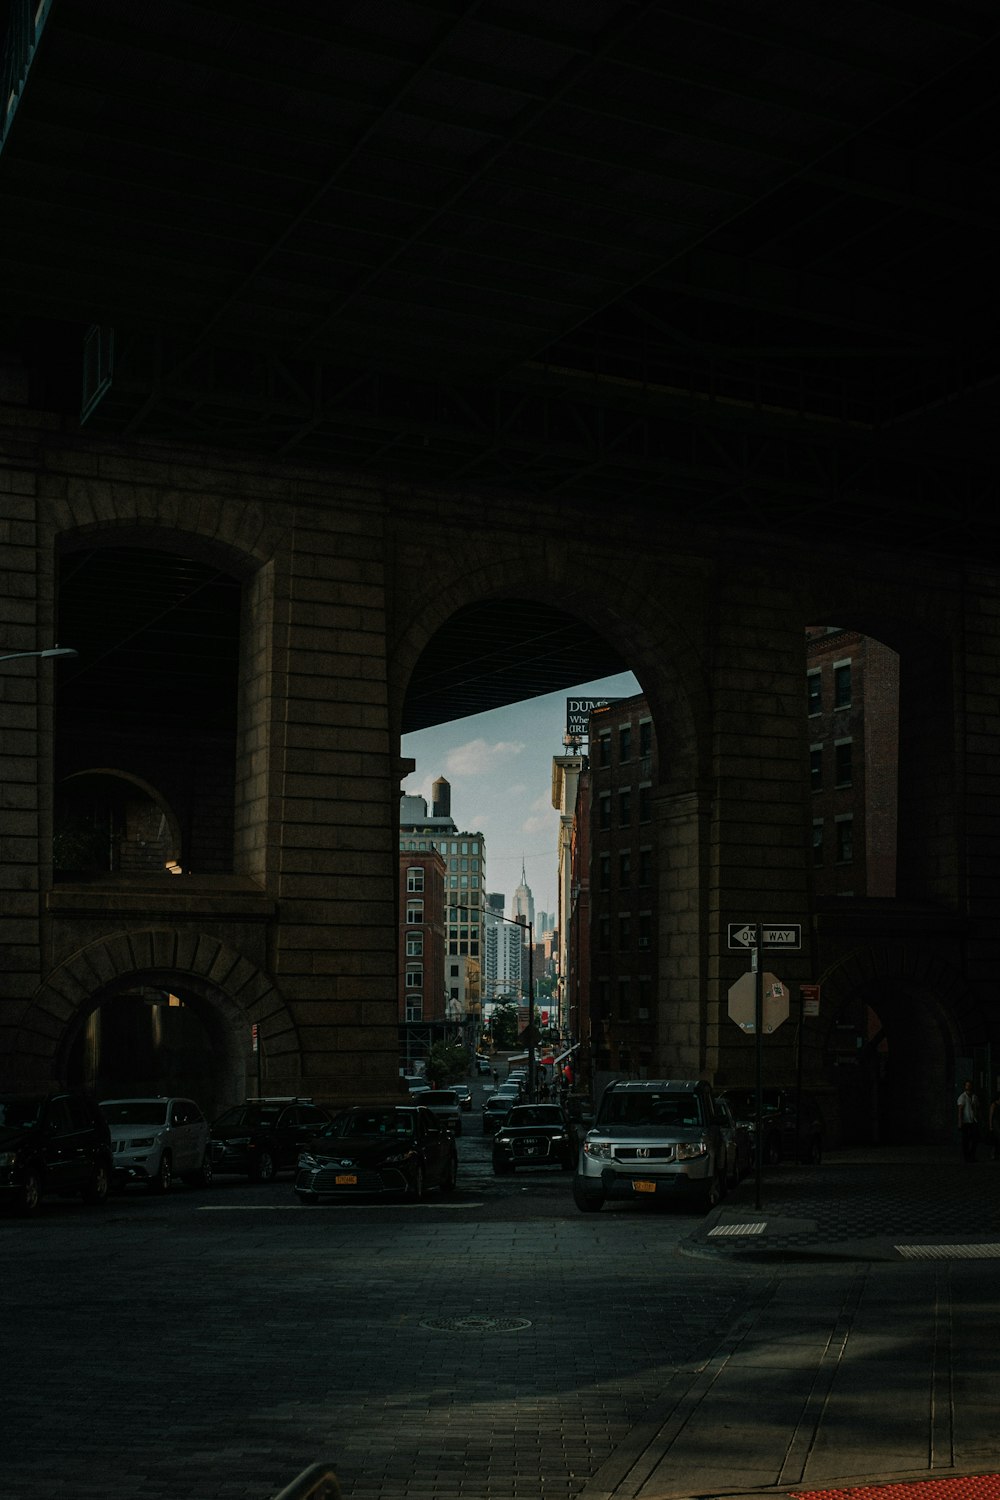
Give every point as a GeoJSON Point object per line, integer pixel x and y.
{"type": "Point", "coordinates": [475, 1323]}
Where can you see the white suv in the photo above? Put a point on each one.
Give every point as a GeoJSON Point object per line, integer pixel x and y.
{"type": "Point", "coordinates": [661, 1138]}
{"type": "Point", "coordinates": [154, 1140]}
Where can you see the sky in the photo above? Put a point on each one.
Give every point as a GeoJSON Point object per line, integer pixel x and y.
{"type": "Point", "coordinates": [499, 765]}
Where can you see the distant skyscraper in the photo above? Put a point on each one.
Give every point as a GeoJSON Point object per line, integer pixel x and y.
{"type": "Point", "coordinates": [523, 902]}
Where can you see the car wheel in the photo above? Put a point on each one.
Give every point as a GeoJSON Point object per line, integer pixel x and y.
{"type": "Point", "coordinates": [502, 1168]}
{"type": "Point", "coordinates": [204, 1175]}
{"type": "Point", "coordinates": [588, 1203]}
{"type": "Point", "coordinates": [450, 1179]}
{"type": "Point", "coordinates": [29, 1198]}
{"type": "Point", "coordinates": [97, 1188]}
{"type": "Point", "coordinates": [264, 1168]}
{"type": "Point", "coordinates": [163, 1176]}
{"type": "Point", "coordinates": [458, 1127]}
{"type": "Point", "coordinates": [772, 1150]}
{"type": "Point", "coordinates": [814, 1155]}
{"type": "Point", "coordinates": [419, 1189]}
{"type": "Point", "coordinates": [307, 1198]}
{"type": "Point", "coordinates": [716, 1190]}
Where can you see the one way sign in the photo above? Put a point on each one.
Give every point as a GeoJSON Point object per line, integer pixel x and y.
{"type": "Point", "coordinates": [787, 935]}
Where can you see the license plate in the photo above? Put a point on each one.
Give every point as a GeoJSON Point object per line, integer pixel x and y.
{"type": "Point", "coordinates": [644, 1187]}
{"type": "Point", "coordinates": [346, 1179]}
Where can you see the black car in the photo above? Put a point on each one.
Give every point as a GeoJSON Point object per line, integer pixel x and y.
{"type": "Point", "coordinates": [792, 1122]}
{"type": "Point", "coordinates": [399, 1150]}
{"type": "Point", "coordinates": [264, 1136]}
{"type": "Point", "coordinates": [495, 1110]}
{"type": "Point", "coordinates": [52, 1144]}
{"type": "Point", "coordinates": [534, 1135]}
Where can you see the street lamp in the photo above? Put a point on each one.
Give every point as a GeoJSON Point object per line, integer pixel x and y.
{"type": "Point", "coordinates": [49, 651]}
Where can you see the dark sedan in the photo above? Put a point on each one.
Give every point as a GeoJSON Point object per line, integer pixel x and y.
{"type": "Point", "coordinates": [534, 1135]}
{"type": "Point", "coordinates": [399, 1150]}
{"type": "Point", "coordinates": [264, 1136]}
{"type": "Point", "coordinates": [495, 1110]}
{"type": "Point", "coordinates": [52, 1144]}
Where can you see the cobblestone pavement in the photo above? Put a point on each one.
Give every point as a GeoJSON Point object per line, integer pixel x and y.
{"type": "Point", "coordinates": [209, 1346]}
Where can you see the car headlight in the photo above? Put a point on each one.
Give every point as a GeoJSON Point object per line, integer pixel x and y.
{"type": "Point", "coordinates": [690, 1150]}
{"type": "Point", "coordinates": [307, 1160]}
{"type": "Point", "coordinates": [502, 1140]}
{"type": "Point", "coordinates": [8, 1158]}
{"type": "Point", "coordinates": [598, 1149]}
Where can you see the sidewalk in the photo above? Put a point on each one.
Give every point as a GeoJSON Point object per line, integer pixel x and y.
{"type": "Point", "coordinates": [867, 1353]}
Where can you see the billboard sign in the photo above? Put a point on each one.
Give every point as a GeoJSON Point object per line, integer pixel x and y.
{"type": "Point", "coordinates": [578, 711]}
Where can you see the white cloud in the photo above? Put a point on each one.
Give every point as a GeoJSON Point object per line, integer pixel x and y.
{"type": "Point", "coordinates": [478, 758]}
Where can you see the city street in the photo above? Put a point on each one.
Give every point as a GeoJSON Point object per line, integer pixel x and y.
{"type": "Point", "coordinates": [213, 1343]}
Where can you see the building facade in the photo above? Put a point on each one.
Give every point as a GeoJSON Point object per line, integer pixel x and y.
{"type": "Point", "coordinates": [423, 1016]}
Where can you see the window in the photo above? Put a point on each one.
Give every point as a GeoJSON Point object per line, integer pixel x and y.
{"type": "Point", "coordinates": [453, 971]}
{"type": "Point", "coordinates": [646, 738]}
{"type": "Point", "coordinates": [645, 928]}
{"type": "Point", "coordinates": [414, 978]}
{"type": "Point", "coordinates": [625, 868]}
{"type": "Point", "coordinates": [414, 1007]}
{"type": "Point", "coordinates": [625, 742]}
{"type": "Point", "coordinates": [817, 841]}
{"type": "Point", "coordinates": [414, 945]}
{"type": "Point", "coordinates": [845, 839]}
{"type": "Point", "coordinates": [414, 913]}
{"type": "Point", "coordinates": [841, 684]}
{"type": "Point", "coordinates": [624, 930]}
{"type": "Point", "coordinates": [603, 998]}
{"type": "Point", "coordinates": [645, 803]}
{"type": "Point", "coordinates": [415, 878]}
{"type": "Point", "coordinates": [645, 866]}
{"type": "Point", "coordinates": [604, 872]}
{"type": "Point", "coordinates": [645, 998]}
{"type": "Point", "coordinates": [604, 934]}
{"type": "Point", "coordinates": [815, 768]}
{"type": "Point", "coordinates": [624, 1000]}
{"type": "Point", "coordinates": [814, 691]}
{"type": "Point", "coordinates": [604, 810]}
{"type": "Point", "coordinates": [604, 749]}
{"type": "Point", "coordinates": [842, 762]}
{"type": "Point", "coordinates": [624, 809]}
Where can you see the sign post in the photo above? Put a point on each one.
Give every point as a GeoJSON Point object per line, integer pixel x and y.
{"type": "Point", "coordinates": [754, 937]}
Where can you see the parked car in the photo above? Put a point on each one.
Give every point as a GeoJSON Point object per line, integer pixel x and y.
{"type": "Point", "coordinates": [57, 1144]}
{"type": "Point", "coordinates": [495, 1110]}
{"type": "Point", "coordinates": [395, 1149]}
{"type": "Point", "coordinates": [416, 1083]}
{"type": "Point", "coordinates": [154, 1140]}
{"type": "Point", "coordinates": [444, 1106]}
{"type": "Point", "coordinates": [464, 1095]}
{"type": "Point", "coordinates": [534, 1135]}
{"type": "Point", "coordinates": [483, 1064]}
{"type": "Point", "coordinates": [263, 1136]}
{"type": "Point", "coordinates": [792, 1122]}
{"type": "Point", "coordinates": [657, 1138]}
{"type": "Point", "coordinates": [741, 1158]}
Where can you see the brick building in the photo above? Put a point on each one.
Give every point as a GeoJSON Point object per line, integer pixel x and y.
{"type": "Point", "coordinates": [422, 992]}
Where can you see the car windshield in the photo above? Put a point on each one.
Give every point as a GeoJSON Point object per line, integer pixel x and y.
{"type": "Point", "coordinates": [20, 1112]}
{"type": "Point", "coordinates": [661, 1111]}
{"type": "Point", "coordinates": [498, 1101]}
{"type": "Point", "coordinates": [375, 1123]}
{"type": "Point", "coordinates": [535, 1114]}
{"type": "Point", "coordinates": [248, 1116]}
{"type": "Point", "coordinates": [442, 1096]}
{"type": "Point", "coordinates": [743, 1102]}
{"type": "Point", "coordinates": [134, 1111]}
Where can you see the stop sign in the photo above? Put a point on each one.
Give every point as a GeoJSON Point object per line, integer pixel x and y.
{"type": "Point", "coordinates": [743, 1002]}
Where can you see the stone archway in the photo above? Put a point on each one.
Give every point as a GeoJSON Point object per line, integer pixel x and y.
{"type": "Point", "coordinates": [906, 1019]}
{"type": "Point", "coordinates": [228, 988]}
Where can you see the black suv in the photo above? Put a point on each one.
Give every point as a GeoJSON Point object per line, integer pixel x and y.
{"type": "Point", "coordinates": [56, 1144]}
{"type": "Point", "coordinates": [792, 1122]}
{"type": "Point", "coordinates": [264, 1136]}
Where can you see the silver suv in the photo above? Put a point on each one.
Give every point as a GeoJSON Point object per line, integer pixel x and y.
{"type": "Point", "coordinates": [658, 1138]}
{"type": "Point", "coordinates": [154, 1140]}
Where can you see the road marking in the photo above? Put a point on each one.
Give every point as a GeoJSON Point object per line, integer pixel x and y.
{"type": "Point", "coordinates": [263, 1208]}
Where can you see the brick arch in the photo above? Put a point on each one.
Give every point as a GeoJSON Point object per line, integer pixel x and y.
{"type": "Point", "coordinates": [233, 534]}
{"type": "Point", "coordinates": [241, 993]}
{"type": "Point", "coordinates": [621, 596]}
{"type": "Point", "coordinates": [930, 1017]}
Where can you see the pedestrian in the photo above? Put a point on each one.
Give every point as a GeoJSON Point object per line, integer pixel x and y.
{"type": "Point", "coordinates": [496, 1077]}
{"type": "Point", "coordinates": [994, 1126]}
{"type": "Point", "coordinates": [968, 1121]}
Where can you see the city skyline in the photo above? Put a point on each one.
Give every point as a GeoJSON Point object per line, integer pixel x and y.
{"type": "Point", "coordinates": [502, 760]}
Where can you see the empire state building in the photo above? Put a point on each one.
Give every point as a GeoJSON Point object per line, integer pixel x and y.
{"type": "Point", "coordinates": [523, 902]}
